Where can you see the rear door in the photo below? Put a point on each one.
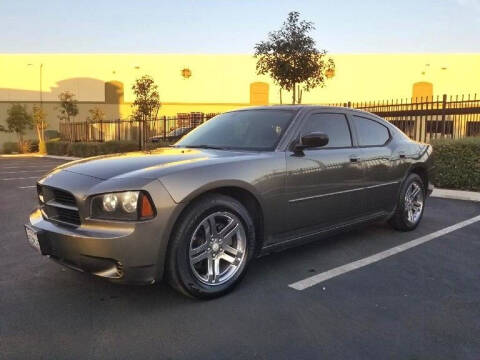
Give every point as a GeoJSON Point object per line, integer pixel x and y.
{"type": "Point", "coordinates": [381, 183]}
{"type": "Point", "coordinates": [323, 185]}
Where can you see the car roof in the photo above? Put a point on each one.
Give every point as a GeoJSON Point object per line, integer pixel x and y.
{"type": "Point", "coordinates": [299, 107]}
{"type": "Point", "coordinates": [320, 107]}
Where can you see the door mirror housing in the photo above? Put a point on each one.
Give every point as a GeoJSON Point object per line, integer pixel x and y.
{"type": "Point", "coordinates": [312, 140]}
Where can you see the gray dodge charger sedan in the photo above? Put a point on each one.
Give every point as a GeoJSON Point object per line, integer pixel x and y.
{"type": "Point", "coordinates": [245, 183]}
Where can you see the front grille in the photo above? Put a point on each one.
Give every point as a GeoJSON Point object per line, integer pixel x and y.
{"type": "Point", "coordinates": [68, 216]}
{"type": "Point", "coordinates": [58, 205]}
{"type": "Point", "coordinates": [58, 195]}
{"type": "Point", "coordinates": [63, 197]}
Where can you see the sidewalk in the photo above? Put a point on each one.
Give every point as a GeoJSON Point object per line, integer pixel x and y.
{"type": "Point", "coordinates": [456, 194]}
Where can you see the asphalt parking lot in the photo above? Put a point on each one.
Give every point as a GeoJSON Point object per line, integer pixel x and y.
{"type": "Point", "coordinates": [422, 303]}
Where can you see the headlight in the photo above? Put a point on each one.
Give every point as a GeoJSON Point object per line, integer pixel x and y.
{"type": "Point", "coordinates": [130, 201]}
{"type": "Point", "coordinates": [110, 202]}
{"type": "Point", "coordinates": [128, 205]}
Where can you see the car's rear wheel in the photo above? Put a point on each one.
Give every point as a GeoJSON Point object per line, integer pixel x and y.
{"type": "Point", "coordinates": [211, 247]}
{"type": "Point", "coordinates": [410, 205]}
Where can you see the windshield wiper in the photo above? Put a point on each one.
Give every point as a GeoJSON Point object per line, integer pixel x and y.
{"type": "Point", "coordinates": [204, 146]}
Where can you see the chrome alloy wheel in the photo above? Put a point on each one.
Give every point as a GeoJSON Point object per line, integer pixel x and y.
{"type": "Point", "coordinates": [217, 248]}
{"type": "Point", "coordinates": [414, 202]}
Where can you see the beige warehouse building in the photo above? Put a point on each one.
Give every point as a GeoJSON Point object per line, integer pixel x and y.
{"type": "Point", "coordinates": [217, 83]}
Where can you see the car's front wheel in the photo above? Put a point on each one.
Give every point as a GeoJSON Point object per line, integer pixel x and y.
{"type": "Point", "coordinates": [410, 205]}
{"type": "Point", "coordinates": [211, 247]}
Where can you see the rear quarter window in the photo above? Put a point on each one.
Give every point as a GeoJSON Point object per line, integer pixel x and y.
{"type": "Point", "coordinates": [370, 132]}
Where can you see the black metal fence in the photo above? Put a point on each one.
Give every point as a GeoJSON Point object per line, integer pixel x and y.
{"type": "Point", "coordinates": [423, 119]}
{"type": "Point", "coordinates": [165, 128]}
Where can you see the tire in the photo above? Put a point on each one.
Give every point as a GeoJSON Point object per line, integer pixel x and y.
{"type": "Point", "coordinates": [211, 247]}
{"type": "Point", "coordinates": [409, 211]}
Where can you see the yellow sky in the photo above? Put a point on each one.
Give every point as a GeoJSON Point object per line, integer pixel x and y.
{"type": "Point", "coordinates": [226, 78]}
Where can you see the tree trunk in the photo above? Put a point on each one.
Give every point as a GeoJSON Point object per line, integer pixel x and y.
{"type": "Point", "coordinates": [70, 129]}
{"type": "Point", "coordinates": [20, 143]}
{"type": "Point", "coordinates": [294, 95]}
{"type": "Point", "coordinates": [299, 96]}
{"type": "Point", "coordinates": [41, 139]}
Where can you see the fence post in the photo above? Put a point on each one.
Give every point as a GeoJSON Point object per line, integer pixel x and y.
{"type": "Point", "coordinates": [86, 130]}
{"type": "Point", "coordinates": [101, 130]}
{"type": "Point", "coordinates": [118, 129]}
{"type": "Point", "coordinates": [139, 134]}
{"type": "Point", "coordinates": [164, 127]}
{"type": "Point", "coordinates": [444, 114]}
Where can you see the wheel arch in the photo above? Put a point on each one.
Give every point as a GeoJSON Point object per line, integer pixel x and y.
{"type": "Point", "coordinates": [421, 170]}
{"type": "Point", "coordinates": [242, 194]}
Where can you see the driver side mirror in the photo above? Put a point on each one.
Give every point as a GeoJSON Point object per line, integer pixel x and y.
{"type": "Point", "coordinates": [312, 140]}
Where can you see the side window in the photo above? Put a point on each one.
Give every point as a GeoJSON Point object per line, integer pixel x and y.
{"type": "Point", "coordinates": [370, 133]}
{"type": "Point", "coordinates": [334, 125]}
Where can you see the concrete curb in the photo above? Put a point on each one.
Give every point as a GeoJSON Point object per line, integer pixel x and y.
{"type": "Point", "coordinates": [39, 155]}
{"type": "Point", "coordinates": [61, 157]}
{"type": "Point", "coordinates": [456, 194]}
{"type": "Point", "coordinates": [20, 155]}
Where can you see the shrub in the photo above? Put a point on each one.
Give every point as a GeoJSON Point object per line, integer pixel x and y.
{"type": "Point", "coordinates": [457, 163]}
{"type": "Point", "coordinates": [27, 146]}
{"type": "Point", "coordinates": [86, 149]}
{"type": "Point", "coordinates": [111, 147]}
{"type": "Point", "coordinates": [57, 147]}
{"type": "Point", "coordinates": [10, 147]}
{"type": "Point", "coordinates": [32, 145]}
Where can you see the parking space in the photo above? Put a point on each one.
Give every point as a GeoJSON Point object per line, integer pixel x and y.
{"type": "Point", "coordinates": [421, 303]}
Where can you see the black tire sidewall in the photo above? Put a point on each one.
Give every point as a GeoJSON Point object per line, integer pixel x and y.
{"type": "Point", "coordinates": [180, 248]}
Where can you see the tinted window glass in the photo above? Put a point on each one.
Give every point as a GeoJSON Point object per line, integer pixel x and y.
{"type": "Point", "coordinates": [334, 125]}
{"type": "Point", "coordinates": [249, 130]}
{"type": "Point", "coordinates": [370, 133]}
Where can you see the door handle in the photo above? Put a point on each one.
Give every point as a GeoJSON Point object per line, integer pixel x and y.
{"type": "Point", "coordinates": [401, 154]}
{"type": "Point", "coordinates": [354, 158]}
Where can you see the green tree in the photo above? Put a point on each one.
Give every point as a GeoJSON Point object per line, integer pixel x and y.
{"type": "Point", "coordinates": [291, 59]}
{"type": "Point", "coordinates": [68, 106]}
{"type": "Point", "coordinates": [68, 109]}
{"type": "Point", "coordinates": [18, 121]}
{"type": "Point", "coordinates": [39, 120]}
{"type": "Point", "coordinates": [96, 114]}
{"type": "Point", "coordinates": [146, 104]}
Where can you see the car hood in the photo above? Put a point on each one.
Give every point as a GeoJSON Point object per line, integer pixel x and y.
{"type": "Point", "coordinates": [149, 164]}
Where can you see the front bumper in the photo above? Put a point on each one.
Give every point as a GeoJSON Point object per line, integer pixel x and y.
{"type": "Point", "coordinates": [126, 253]}
{"type": "Point", "coordinates": [121, 251]}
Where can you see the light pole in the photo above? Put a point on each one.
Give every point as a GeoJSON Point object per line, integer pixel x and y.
{"type": "Point", "coordinates": [41, 79]}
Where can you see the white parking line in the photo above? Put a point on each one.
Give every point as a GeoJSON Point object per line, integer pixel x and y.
{"type": "Point", "coordinates": [21, 178]}
{"type": "Point", "coordinates": [319, 278]}
{"type": "Point", "coordinates": [27, 187]}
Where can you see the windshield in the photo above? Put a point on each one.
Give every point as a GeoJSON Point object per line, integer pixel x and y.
{"type": "Point", "coordinates": [244, 130]}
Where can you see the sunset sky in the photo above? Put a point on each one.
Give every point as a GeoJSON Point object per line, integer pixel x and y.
{"type": "Point", "coordinates": [232, 26]}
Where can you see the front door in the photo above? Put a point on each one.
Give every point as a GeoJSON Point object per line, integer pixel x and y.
{"type": "Point", "coordinates": [324, 185]}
